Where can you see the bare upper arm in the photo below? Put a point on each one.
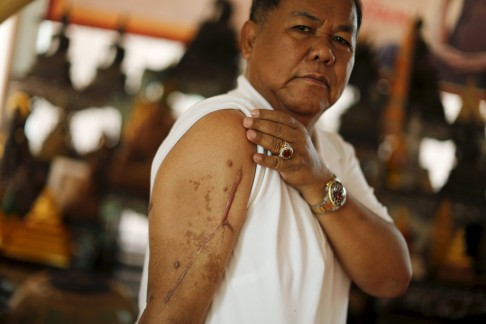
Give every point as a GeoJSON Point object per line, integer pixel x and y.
{"type": "Point", "coordinates": [198, 205]}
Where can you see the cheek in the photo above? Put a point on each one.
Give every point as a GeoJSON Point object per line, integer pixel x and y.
{"type": "Point", "coordinates": [278, 60]}
{"type": "Point", "coordinates": [267, 53]}
{"type": "Point", "coordinates": [344, 74]}
{"type": "Point", "coordinates": [283, 48]}
{"type": "Point", "coordinates": [350, 67]}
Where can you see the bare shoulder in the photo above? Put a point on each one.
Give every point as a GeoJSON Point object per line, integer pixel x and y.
{"type": "Point", "coordinates": [198, 206]}
{"type": "Point", "coordinates": [214, 147]}
{"type": "Point", "coordinates": [225, 129]}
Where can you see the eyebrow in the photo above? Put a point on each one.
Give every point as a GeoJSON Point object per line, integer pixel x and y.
{"type": "Point", "coordinates": [347, 28]}
{"type": "Point", "coordinates": [303, 13]}
{"type": "Point", "coordinates": [344, 28]}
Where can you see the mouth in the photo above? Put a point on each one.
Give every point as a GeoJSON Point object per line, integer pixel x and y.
{"type": "Point", "coordinates": [320, 79]}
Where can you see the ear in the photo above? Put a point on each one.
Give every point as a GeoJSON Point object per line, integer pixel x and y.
{"type": "Point", "coordinates": [248, 35]}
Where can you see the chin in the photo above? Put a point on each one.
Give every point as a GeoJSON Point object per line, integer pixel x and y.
{"type": "Point", "coordinates": [305, 117]}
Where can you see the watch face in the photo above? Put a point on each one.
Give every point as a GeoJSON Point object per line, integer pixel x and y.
{"type": "Point", "coordinates": [338, 194]}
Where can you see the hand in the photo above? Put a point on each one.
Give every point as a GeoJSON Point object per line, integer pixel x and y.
{"type": "Point", "coordinates": [304, 170]}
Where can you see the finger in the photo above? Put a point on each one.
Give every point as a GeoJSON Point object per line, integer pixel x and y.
{"type": "Point", "coordinates": [268, 142]}
{"type": "Point", "coordinates": [284, 167]}
{"type": "Point", "coordinates": [276, 116]}
{"type": "Point", "coordinates": [270, 128]}
{"type": "Point", "coordinates": [272, 162]}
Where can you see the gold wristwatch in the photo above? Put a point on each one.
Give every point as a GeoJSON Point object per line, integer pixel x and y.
{"type": "Point", "coordinates": [334, 197]}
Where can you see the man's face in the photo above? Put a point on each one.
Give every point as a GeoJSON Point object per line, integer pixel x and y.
{"type": "Point", "coordinates": [301, 57]}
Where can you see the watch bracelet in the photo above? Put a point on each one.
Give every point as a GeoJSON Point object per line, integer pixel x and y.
{"type": "Point", "coordinates": [327, 204]}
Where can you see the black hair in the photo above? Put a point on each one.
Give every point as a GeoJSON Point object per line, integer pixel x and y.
{"type": "Point", "coordinates": [260, 8]}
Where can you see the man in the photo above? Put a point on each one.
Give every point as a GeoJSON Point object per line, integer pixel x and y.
{"type": "Point", "coordinates": [248, 223]}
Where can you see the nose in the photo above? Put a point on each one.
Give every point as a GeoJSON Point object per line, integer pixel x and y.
{"type": "Point", "coordinates": [322, 52]}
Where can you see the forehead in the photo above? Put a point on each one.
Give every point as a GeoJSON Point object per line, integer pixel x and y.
{"type": "Point", "coordinates": [339, 11]}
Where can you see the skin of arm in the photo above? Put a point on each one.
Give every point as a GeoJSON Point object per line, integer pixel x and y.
{"type": "Point", "coordinates": [198, 205]}
{"type": "Point", "coordinates": [372, 251]}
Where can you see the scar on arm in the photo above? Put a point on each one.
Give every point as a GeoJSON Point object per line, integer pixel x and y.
{"type": "Point", "coordinates": [224, 223]}
{"type": "Point", "coordinates": [196, 184]}
{"type": "Point", "coordinates": [229, 164]}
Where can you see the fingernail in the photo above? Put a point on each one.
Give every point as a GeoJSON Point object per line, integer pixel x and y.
{"type": "Point", "coordinates": [251, 134]}
{"type": "Point", "coordinates": [257, 158]}
{"type": "Point", "coordinates": [255, 113]}
{"type": "Point", "coordinates": [247, 121]}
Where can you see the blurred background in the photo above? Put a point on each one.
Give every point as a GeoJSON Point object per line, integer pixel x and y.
{"type": "Point", "coordinates": [89, 89]}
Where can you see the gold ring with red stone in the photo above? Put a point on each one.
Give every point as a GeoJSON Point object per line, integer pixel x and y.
{"type": "Point", "coordinates": [286, 151]}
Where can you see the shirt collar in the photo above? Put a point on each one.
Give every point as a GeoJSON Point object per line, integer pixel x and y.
{"type": "Point", "coordinates": [245, 88]}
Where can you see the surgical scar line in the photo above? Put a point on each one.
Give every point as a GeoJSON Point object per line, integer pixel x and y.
{"type": "Point", "coordinates": [224, 223]}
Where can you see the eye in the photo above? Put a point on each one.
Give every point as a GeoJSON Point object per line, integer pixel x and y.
{"type": "Point", "coordinates": [342, 41]}
{"type": "Point", "coordinates": [302, 28]}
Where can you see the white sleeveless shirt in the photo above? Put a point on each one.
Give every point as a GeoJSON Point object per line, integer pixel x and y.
{"type": "Point", "coordinates": [283, 269]}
